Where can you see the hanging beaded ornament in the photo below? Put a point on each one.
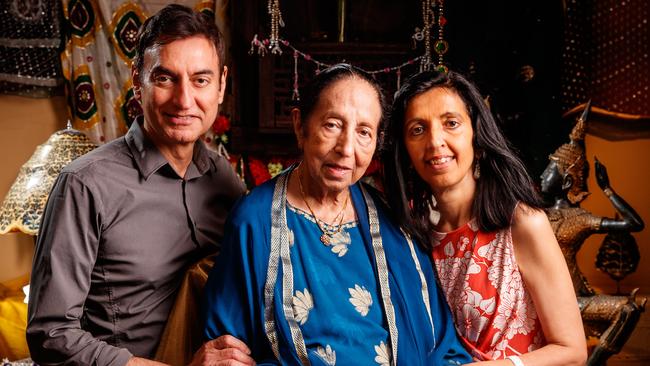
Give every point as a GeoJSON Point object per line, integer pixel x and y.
{"type": "Point", "coordinates": [431, 17]}
{"type": "Point", "coordinates": [441, 46]}
{"type": "Point", "coordinates": [432, 14]}
{"type": "Point", "coordinates": [296, 93]}
{"type": "Point", "coordinates": [276, 23]}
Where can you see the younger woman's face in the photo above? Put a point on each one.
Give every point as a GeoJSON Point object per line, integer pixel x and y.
{"type": "Point", "coordinates": [438, 136]}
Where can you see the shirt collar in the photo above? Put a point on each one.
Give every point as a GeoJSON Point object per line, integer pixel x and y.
{"type": "Point", "coordinates": [148, 158]}
{"type": "Point", "coordinates": [202, 157]}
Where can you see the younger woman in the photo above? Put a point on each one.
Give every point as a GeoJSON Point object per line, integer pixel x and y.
{"type": "Point", "coordinates": [497, 259]}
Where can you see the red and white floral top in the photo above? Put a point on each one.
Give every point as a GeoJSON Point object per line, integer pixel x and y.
{"type": "Point", "coordinates": [494, 313]}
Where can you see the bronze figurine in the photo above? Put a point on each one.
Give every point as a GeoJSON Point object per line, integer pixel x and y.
{"type": "Point", "coordinates": [610, 318]}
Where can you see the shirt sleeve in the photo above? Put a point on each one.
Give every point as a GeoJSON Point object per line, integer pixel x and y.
{"type": "Point", "coordinates": [234, 301]}
{"type": "Point", "coordinates": [66, 251]}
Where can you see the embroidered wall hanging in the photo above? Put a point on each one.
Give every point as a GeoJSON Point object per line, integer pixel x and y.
{"type": "Point", "coordinates": [30, 41]}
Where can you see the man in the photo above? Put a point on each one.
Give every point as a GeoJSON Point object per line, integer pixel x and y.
{"type": "Point", "coordinates": [124, 222]}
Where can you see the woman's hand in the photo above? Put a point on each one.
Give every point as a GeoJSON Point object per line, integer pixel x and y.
{"type": "Point", "coordinates": [225, 350]}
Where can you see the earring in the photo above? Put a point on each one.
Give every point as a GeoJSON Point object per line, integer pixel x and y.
{"type": "Point", "coordinates": [434, 215]}
{"type": "Point", "coordinates": [477, 170]}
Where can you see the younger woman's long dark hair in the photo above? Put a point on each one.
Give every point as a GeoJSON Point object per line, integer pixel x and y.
{"type": "Point", "coordinates": [503, 181]}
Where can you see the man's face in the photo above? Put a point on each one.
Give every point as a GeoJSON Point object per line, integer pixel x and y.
{"type": "Point", "coordinates": [180, 89]}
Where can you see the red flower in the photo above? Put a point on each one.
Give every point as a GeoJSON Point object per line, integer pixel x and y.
{"type": "Point", "coordinates": [221, 125]}
{"type": "Point", "coordinates": [259, 171]}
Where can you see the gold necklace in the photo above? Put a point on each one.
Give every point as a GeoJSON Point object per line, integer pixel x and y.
{"type": "Point", "coordinates": [327, 234]}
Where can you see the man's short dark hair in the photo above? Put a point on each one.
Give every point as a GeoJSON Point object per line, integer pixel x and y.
{"type": "Point", "coordinates": [175, 22]}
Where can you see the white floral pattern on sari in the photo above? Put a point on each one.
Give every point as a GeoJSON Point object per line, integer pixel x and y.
{"type": "Point", "coordinates": [302, 304]}
{"type": "Point", "coordinates": [327, 354]}
{"type": "Point", "coordinates": [361, 299]}
{"type": "Point", "coordinates": [383, 354]}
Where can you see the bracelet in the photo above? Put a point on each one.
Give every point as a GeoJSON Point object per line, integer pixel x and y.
{"type": "Point", "coordinates": [516, 360]}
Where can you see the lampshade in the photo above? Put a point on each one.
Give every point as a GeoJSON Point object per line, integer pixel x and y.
{"type": "Point", "coordinates": [24, 204]}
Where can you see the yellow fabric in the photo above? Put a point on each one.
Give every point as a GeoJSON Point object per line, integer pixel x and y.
{"type": "Point", "coordinates": [183, 333]}
{"type": "Point", "coordinates": [13, 319]}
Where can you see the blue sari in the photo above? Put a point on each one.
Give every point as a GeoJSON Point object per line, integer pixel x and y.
{"type": "Point", "coordinates": [369, 298]}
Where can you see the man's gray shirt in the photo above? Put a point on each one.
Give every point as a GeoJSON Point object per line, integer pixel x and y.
{"type": "Point", "coordinates": [119, 229]}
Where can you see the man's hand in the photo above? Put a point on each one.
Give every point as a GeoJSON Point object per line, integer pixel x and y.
{"type": "Point", "coordinates": [225, 350]}
{"type": "Point", "coordinates": [137, 361]}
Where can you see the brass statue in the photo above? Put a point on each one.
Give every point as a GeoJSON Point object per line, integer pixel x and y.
{"type": "Point", "coordinates": [610, 318]}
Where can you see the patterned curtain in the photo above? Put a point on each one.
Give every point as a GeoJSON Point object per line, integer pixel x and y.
{"type": "Point", "coordinates": [96, 61]}
{"type": "Point", "coordinates": [30, 42]}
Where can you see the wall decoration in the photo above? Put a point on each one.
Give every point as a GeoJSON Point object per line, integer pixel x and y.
{"type": "Point", "coordinates": [607, 55]}
{"type": "Point", "coordinates": [432, 14]}
{"type": "Point", "coordinates": [30, 40]}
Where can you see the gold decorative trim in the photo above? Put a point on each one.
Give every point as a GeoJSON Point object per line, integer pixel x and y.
{"type": "Point", "coordinates": [382, 271]}
{"type": "Point", "coordinates": [278, 217]}
{"type": "Point", "coordinates": [425, 286]}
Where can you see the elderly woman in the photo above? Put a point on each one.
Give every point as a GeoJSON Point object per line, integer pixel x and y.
{"type": "Point", "coordinates": [312, 270]}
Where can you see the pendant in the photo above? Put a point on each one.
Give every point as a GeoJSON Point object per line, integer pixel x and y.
{"type": "Point", "coordinates": [326, 239]}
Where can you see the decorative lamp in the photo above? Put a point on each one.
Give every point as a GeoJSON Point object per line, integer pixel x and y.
{"type": "Point", "coordinates": [24, 204]}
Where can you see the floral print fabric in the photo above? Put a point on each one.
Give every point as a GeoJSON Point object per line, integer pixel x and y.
{"type": "Point", "coordinates": [327, 294]}
{"type": "Point", "coordinates": [493, 312]}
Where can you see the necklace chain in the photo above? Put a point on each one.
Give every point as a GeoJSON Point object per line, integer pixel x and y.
{"type": "Point", "coordinates": [328, 234]}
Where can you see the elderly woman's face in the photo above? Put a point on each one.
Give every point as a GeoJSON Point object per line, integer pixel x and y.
{"type": "Point", "coordinates": [340, 136]}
